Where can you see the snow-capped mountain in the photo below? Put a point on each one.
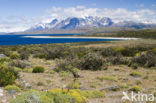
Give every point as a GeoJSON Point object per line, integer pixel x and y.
{"type": "Point", "coordinates": [132, 24]}
{"type": "Point", "coordinates": [87, 22]}
{"type": "Point", "coordinates": [74, 23]}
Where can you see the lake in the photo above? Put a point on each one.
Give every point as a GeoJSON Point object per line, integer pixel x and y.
{"type": "Point", "coordinates": [37, 39]}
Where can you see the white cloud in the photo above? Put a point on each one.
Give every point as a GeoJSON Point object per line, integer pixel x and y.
{"type": "Point", "coordinates": [120, 14]}
{"type": "Point", "coordinates": [20, 23]}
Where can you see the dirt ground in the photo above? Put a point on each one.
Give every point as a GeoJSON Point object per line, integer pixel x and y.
{"type": "Point", "coordinates": [88, 80]}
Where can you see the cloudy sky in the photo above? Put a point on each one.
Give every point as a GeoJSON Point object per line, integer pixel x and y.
{"type": "Point", "coordinates": [19, 15]}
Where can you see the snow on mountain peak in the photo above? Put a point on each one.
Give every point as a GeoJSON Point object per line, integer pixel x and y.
{"type": "Point", "coordinates": [75, 22]}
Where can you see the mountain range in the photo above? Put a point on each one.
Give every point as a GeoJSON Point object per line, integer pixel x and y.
{"type": "Point", "coordinates": [72, 23]}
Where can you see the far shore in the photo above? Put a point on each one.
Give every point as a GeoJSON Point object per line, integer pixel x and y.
{"type": "Point", "coordinates": [118, 38]}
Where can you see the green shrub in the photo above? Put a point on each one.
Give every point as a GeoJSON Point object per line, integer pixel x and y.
{"type": "Point", "coordinates": [62, 65]}
{"type": "Point", "coordinates": [17, 69]}
{"type": "Point", "coordinates": [65, 96]}
{"type": "Point", "coordinates": [154, 49]}
{"type": "Point", "coordinates": [124, 85]}
{"type": "Point", "coordinates": [27, 70]}
{"type": "Point", "coordinates": [112, 78]}
{"type": "Point", "coordinates": [118, 60]}
{"type": "Point", "coordinates": [74, 85]}
{"type": "Point", "coordinates": [154, 94]}
{"type": "Point", "coordinates": [20, 64]}
{"type": "Point", "coordinates": [81, 53]}
{"type": "Point", "coordinates": [54, 52]}
{"type": "Point", "coordinates": [40, 84]}
{"type": "Point", "coordinates": [41, 56]}
{"type": "Point", "coordinates": [14, 55]}
{"type": "Point", "coordinates": [136, 89]}
{"type": "Point", "coordinates": [53, 96]}
{"type": "Point", "coordinates": [24, 56]}
{"type": "Point", "coordinates": [64, 73]}
{"type": "Point", "coordinates": [119, 50]}
{"type": "Point", "coordinates": [33, 96]}
{"type": "Point", "coordinates": [130, 51]}
{"type": "Point", "coordinates": [134, 66]}
{"type": "Point", "coordinates": [7, 75]}
{"type": "Point", "coordinates": [92, 61]}
{"type": "Point", "coordinates": [93, 94]}
{"type": "Point", "coordinates": [153, 68]}
{"type": "Point", "coordinates": [38, 69]}
{"type": "Point", "coordinates": [4, 59]}
{"type": "Point", "coordinates": [94, 85]}
{"type": "Point", "coordinates": [52, 72]}
{"type": "Point", "coordinates": [107, 52]}
{"type": "Point", "coordinates": [146, 59]}
{"type": "Point", "coordinates": [136, 74]}
{"type": "Point", "coordinates": [12, 87]}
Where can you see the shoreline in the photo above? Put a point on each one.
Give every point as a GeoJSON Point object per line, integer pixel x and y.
{"type": "Point", "coordinates": [46, 37]}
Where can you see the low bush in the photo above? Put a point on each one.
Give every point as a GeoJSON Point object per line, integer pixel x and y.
{"type": "Point", "coordinates": [24, 56]}
{"type": "Point", "coordinates": [94, 84]}
{"type": "Point", "coordinates": [74, 85]}
{"type": "Point", "coordinates": [4, 59]}
{"type": "Point", "coordinates": [27, 70]}
{"type": "Point", "coordinates": [154, 49]}
{"type": "Point", "coordinates": [93, 94]}
{"type": "Point", "coordinates": [119, 50]}
{"type": "Point", "coordinates": [14, 55]}
{"type": "Point", "coordinates": [33, 96]}
{"type": "Point", "coordinates": [68, 96]}
{"type": "Point", "coordinates": [136, 74]}
{"type": "Point", "coordinates": [118, 60]}
{"type": "Point", "coordinates": [20, 64]}
{"type": "Point", "coordinates": [107, 52]}
{"type": "Point", "coordinates": [64, 65]}
{"type": "Point", "coordinates": [52, 72]}
{"type": "Point", "coordinates": [136, 89]}
{"type": "Point", "coordinates": [134, 66]}
{"type": "Point", "coordinates": [55, 52]}
{"type": "Point", "coordinates": [40, 84]}
{"type": "Point", "coordinates": [112, 78]}
{"type": "Point", "coordinates": [7, 75]}
{"type": "Point", "coordinates": [17, 69]}
{"type": "Point", "coordinates": [123, 85]}
{"type": "Point", "coordinates": [38, 69]}
{"type": "Point", "coordinates": [153, 68]}
{"type": "Point", "coordinates": [12, 87]}
{"type": "Point", "coordinates": [92, 61]}
{"type": "Point", "coordinates": [154, 94]}
{"type": "Point", "coordinates": [64, 73]}
{"type": "Point", "coordinates": [146, 59]}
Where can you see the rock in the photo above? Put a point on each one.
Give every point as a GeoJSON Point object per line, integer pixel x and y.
{"type": "Point", "coordinates": [114, 88]}
{"type": "Point", "coordinates": [2, 56]}
{"type": "Point", "coordinates": [4, 101]}
{"type": "Point", "coordinates": [12, 92]}
{"type": "Point", "coordinates": [27, 84]}
{"type": "Point", "coordinates": [1, 92]}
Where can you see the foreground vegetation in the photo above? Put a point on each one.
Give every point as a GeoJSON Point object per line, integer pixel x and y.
{"type": "Point", "coordinates": [75, 73]}
{"type": "Point", "coordinates": [141, 33]}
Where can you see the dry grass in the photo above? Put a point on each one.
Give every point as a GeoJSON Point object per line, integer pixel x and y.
{"type": "Point", "coordinates": [87, 78]}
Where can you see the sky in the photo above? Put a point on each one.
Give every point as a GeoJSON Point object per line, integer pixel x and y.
{"type": "Point", "coordinates": [19, 15]}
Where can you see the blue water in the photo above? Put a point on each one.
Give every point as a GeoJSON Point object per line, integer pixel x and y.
{"type": "Point", "coordinates": [20, 40]}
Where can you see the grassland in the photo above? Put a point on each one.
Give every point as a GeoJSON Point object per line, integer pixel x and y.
{"type": "Point", "coordinates": [100, 71]}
